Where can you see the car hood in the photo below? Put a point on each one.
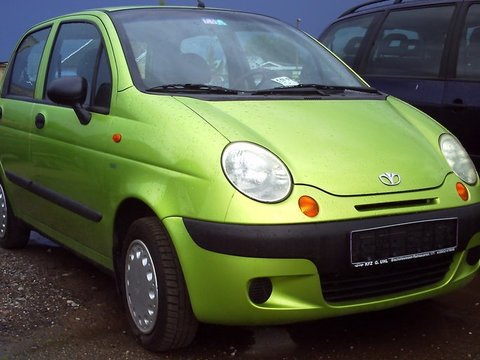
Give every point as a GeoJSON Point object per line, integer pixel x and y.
{"type": "Point", "coordinates": [339, 146]}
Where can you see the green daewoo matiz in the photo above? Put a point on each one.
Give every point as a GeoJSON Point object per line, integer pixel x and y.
{"type": "Point", "coordinates": [228, 169]}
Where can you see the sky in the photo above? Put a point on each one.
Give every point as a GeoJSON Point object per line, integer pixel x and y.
{"type": "Point", "coordinates": [19, 15]}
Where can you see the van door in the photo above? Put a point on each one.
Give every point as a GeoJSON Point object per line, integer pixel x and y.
{"type": "Point", "coordinates": [462, 93]}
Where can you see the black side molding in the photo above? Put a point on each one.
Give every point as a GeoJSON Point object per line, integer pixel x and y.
{"type": "Point", "coordinates": [55, 197]}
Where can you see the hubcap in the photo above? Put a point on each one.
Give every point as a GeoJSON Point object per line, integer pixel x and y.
{"type": "Point", "coordinates": [3, 213]}
{"type": "Point", "coordinates": [141, 286]}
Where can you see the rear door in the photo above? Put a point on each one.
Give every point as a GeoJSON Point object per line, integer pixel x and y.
{"type": "Point", "coordinates": [19, 95]}
{"type": "Point", "coordinates": [461, 99]}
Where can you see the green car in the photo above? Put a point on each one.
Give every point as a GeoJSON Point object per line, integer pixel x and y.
{"type": "Point", "coordinates": [226, 168]}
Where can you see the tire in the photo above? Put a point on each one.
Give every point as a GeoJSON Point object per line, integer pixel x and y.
{"type": "Point", "coordinates": [14, 233]}
{"type": "Point", "coordinates": [154, 290]}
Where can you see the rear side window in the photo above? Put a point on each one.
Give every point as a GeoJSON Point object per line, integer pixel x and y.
{"type": "Point", "coordinates": [26, 64]}
{"type": "Point", "coordinates": [344, 38]}
{"type": "Point", "coordinates": [468, 65]}
{"type": "Point", "coordinates": [411, 43]}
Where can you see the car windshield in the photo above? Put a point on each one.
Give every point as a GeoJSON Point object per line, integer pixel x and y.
{"type": "Point", "coordinates": [176, 50]}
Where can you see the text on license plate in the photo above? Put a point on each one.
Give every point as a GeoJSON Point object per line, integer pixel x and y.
{"type": "Point", "coordinates": [401, 242]}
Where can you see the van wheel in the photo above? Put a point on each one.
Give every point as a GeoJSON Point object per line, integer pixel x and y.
{"type": "Point", "coordinates": [14, 233]}
{"type": "Point", "coordinates": [154, 289]}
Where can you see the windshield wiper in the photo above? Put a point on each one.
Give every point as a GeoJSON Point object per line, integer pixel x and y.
{"type": "Point", "coordinates": [368, 90]}
{"type": "Point", "coordinates": [193, 88]}
{"type": "Point", "coordinates": [323, 90]}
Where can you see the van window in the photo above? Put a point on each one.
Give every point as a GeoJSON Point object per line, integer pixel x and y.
{"type": "Point", "coordinates": [411, 42]}
{"type": "Point", "coordinates": [26, 64]}
{"type": "Point", "coordinates": [344, 38]}
{"type": "Point", "coordinates": [468, 66]}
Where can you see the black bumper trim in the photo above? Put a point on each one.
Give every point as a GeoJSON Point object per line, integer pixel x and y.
{"type": "Point", "coordinates": [326, 244]}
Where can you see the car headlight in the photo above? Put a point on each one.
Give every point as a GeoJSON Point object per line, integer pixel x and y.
{"type": "Point", "coordinates": [458, 159]}
{"type": "Point", "coordinates": [256, 172]}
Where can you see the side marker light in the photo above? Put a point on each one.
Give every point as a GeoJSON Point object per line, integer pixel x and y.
{"type": "Point", "coordinates": [117, 138]}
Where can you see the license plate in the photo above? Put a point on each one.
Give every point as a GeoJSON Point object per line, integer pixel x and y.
{"type": "Point", "coordinates": [402, 242]}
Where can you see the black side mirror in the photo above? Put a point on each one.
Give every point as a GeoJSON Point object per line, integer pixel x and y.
{"type": "Point", "coordinates": [71, 91]}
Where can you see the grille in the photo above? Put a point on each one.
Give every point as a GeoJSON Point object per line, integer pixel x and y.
{"type": "Point", "coordinates": [396, 204]}
{"type": "Point", "coordinates": [383, 280]}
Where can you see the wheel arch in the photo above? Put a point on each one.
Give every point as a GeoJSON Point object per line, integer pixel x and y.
{"type": "Point", "coordinates": [128, 211]}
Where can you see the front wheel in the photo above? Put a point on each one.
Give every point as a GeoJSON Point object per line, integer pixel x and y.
{"type": "Point", "coordinates": [154, 289]}
{"type": "Point", "coordinates": [14, 233]}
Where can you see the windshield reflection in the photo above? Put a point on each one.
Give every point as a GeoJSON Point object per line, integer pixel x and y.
{"type": "Point", "coordinates": [223, 50]}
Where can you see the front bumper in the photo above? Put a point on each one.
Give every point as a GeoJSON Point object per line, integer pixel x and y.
{"type": "Point", "coordinates": [309, 267]}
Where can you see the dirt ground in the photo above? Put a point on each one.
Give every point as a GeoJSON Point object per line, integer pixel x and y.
{"type": "Point", "coordinates": [54, 305]}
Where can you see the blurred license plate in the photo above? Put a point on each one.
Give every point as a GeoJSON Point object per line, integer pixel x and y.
{"type": "Point", "coordinates": [401, 242]}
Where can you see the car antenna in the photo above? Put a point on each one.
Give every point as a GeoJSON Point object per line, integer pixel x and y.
{"type": "Point", "coordinates": [200, 4]}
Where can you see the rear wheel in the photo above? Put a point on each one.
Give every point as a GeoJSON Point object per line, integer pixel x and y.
{"type": "Point", "coordinates": [14, 233]}
{"type": "Point", "coordinates": [154, 289]}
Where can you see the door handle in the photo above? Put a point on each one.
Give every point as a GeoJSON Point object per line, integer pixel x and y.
{"type": "Point", "coordinates": [40, 121]}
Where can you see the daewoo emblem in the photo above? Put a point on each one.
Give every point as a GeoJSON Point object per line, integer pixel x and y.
{"type": "Point", "coordinates": [390, 179]}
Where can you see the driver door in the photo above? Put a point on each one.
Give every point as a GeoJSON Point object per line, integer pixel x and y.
{"type": "Point", "coordinates": [66, 156]}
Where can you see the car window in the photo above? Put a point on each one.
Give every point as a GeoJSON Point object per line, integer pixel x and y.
{"type": "Point", "coordinates": [202, 52]}
{"type": "Point", "coordinates": [411, 42]}
{"type": "Point", "coordinates": [79, 51]}
{"type": "Point", "coordinates": [235, 51]}
{"type": "Point", "coordinates": [344, 38]}
{"type": "Point", "coordinates": [103, 83]}
{"type": "Point", "coordinates": [272, 52]}
{"type": "Point", "coordinates": [26, 63]}
{"type": "Point", "coordinates": [206, 49]}
{"type": "Point", "coordinates": [468, 65]}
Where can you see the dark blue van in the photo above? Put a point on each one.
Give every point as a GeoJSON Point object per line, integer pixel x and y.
{"type": "Point", "coordinates": [424, 52]}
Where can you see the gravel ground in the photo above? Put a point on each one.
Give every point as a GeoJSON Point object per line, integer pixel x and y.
{"type": "Point", "coordinates": [54, 305]}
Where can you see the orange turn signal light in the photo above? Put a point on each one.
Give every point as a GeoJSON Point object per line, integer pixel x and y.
{"type": "Point", "coordinates": [308, 206]}
{"type": "Point", "coordinates": [117, 137]}
{"type": "Point", "coordinates": [462, 191]}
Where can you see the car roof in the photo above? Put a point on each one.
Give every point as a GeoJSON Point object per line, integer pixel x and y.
{"type": "Point", "coordinates": [144, 7]}
{"type": "Point", "coordinates": [376, 5]}
{"type": "Point", "coordinates": [106, 10]}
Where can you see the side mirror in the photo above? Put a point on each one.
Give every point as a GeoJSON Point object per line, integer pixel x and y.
{"type": "Point", "coordinates": [71, 91]}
